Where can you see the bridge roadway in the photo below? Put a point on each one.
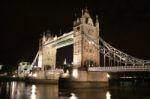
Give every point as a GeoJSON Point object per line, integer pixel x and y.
{"type": "Point", "coordinates": [145, 68]}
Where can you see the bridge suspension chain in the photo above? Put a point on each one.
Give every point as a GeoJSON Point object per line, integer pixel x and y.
{"type": "Point", "coordinates": [32, 64]}
{"type": "Point", "coordinates": [115, 54]}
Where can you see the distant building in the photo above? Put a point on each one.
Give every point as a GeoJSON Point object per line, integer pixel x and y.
{"type": "Point", "coordinates": [23, 66]}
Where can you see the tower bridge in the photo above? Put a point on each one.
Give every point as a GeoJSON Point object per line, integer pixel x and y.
{"type": "Point", "coordinates": [87, 47]}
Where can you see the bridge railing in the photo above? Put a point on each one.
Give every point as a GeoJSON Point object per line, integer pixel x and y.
{"type": "Point", "coordinates": [121, 68]}
{"type": "Point", "coordinates": [56, 70]}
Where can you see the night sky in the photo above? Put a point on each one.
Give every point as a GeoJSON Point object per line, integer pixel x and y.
{"type": "Point", "coordinates": [125, 24]}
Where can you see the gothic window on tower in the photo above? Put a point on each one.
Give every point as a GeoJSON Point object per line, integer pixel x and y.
{"type": "Point", "coordinates": [90, 50]}
{"type": "Point", "coordinates": [78, 51]}
{"type": "Point", "coordinates": [78, 28]}
{"type": "Point", "coordinates": [86, 20]}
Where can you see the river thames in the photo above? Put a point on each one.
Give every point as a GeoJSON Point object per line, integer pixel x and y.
{"type": "Point", "coordinates": [119, 90]}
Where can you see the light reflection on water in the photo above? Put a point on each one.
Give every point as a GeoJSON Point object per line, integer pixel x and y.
{"type": "Point", "coordinates": [33, 94]}
{"type": "Point", "coordinates": [20, 90]}
{"type": "Point", "coordinates": [108, 95]}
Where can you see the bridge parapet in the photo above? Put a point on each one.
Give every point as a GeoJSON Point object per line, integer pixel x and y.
{"type": "Point", "coordinates": [145, 68]}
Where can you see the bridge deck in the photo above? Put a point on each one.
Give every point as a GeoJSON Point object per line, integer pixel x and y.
{"type": "Point", "coordinates": [121, 68]}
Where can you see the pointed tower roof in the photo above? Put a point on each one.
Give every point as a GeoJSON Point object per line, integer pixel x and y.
{"type": "Point", "coordinates": [86, 13]}
{"type": "Point", "coordinates": [97, 20]}
{"type": "Point", "coordinates": [48, 31]}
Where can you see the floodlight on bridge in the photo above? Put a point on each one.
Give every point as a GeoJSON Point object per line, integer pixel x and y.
{"type": "Point", "coordinates": [75, 73]}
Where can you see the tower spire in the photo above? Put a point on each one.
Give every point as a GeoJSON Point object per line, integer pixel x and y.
{"type": "Point", "coordinates": [44, 38]}
{"type": "Point", "coordinates": [60, 32]}
{"type": "Point", "coordinates": [82, 12]}
{"type": "Point", "coordinates": [97, 25]}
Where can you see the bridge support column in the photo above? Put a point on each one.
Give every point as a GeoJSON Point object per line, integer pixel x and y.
{"type": "Point", "coordinates": [85, 79]}
{"type": "Point", "coordinates": [49, 57]}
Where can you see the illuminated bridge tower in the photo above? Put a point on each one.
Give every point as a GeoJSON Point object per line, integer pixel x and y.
{"type": "Point", "coordinates": [47, 53]}
{"type": "Point", "coordinates": [86, 52]}
{"type": "Point", "coordinates": [86, 37]}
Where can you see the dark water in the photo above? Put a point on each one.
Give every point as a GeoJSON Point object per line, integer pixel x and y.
{"type": "Point", "coordinates": [119, 90]}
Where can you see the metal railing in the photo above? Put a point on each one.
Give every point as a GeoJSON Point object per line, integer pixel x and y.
{"type": "Point", "coordinates": [145, 68]}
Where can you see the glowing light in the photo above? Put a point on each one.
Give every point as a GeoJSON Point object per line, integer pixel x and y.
{"type": "Point", "coordinates": [55, 38]}
{"type": "Point", "coordinates": [108, 76]}
{"type": "Point", "coordinates": [64, 34]}
{"type": "Point", "coordinates": [108, 95]}
{"type": "Point", "coordinates": [124, 59]}
{"type": "Point", "coordinates": [75, 73]}
{"type": "Point", "coordinates": [72, 63]}
{"type": "Point", "coordinates": [40, 61]}
{"type": "Point", "coordinates": [13, 86]}
{"type": "Point", "coordinates": [66, 74]}
{"type": "Point", "coordinates": [73, 96]}
{"type": "Point", "coordinates": [30, 74]}
{"type": "Point", "coordinates": [72, 36]}
{"type": "Point", "coordinates": [89, 42]}
{"type": "Point", "coordinates": [33, 90]}
{"type": "Point", "coordinates": [35, 75]}
{"type": "Point", "coordinates": [65, 62]}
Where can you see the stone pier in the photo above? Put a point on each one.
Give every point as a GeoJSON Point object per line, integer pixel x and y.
{"type": "Point", "coordinates": [84, 79]}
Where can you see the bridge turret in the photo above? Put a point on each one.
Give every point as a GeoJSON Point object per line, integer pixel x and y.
{"type": "Point", "coordinates": [86, 33]}
{"type": "Point", "coordinates": [86, 17]}
{"type": "Point", "coordinates": [43, 37]}
{"type": "Point", "coordinates": [97, 26]}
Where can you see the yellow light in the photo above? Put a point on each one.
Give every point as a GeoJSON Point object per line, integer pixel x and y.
{"type": "Point", "coordinates": [33, 95]}
{"type": "Point", "coordinates": [65, 75]}
{"type": "Point", "coordinates": [72, 36]}
{"type": "Point", "coordinates": [13, 86]}
{"type": "Point", "coordinates": [30, 74]}
{"type": "Point", "coordinates": [40, 61]}
{"type": "Point", "coordinates": [75, 73]}
{"type": "Point", "coordinates": [108, 95]}
{"type": "Point", "coordinates": [35, 75]}
{"type": "Point", "coordinates": [55, 38]}
{"type": "Point", "coordinates": [73, 96]}
{"type": "Point", "coordinates": [108, 76]}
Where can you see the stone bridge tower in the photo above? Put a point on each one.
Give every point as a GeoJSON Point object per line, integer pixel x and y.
{"type": "Point", "coordinates": [85, 44]}
{"type": "Point", "coordinates": [86, 40]}
{"type": "Point", "coordinates": [47, 53]}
